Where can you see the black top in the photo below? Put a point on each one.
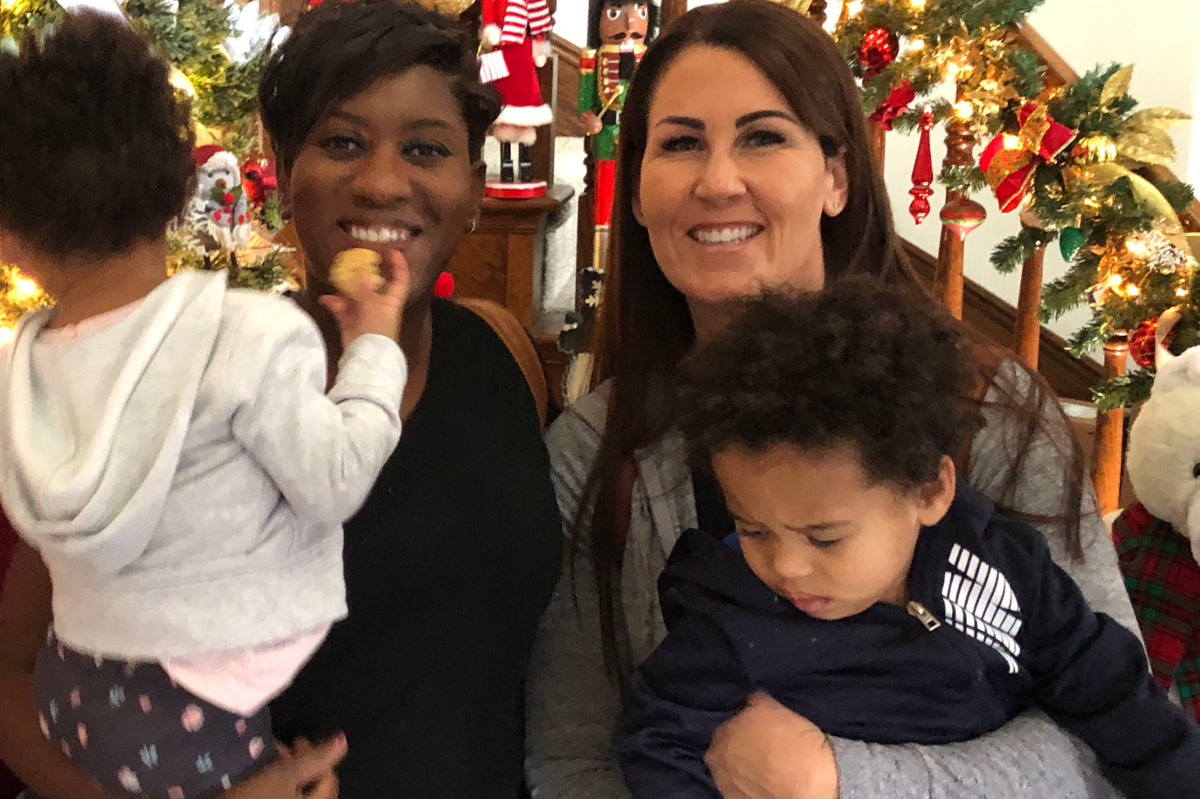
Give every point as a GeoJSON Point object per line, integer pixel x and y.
{"type": "Point", "coordinates": [449, 565]}
{"type": "Point", "coordinates": [1011, 629]}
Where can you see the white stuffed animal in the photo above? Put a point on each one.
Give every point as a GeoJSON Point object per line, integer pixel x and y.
{"type": "Point", "coordinates": [1164, 444]}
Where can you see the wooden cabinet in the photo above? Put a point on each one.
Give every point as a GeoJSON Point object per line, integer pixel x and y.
{"type": "Point", "coordinates": [503, 260]}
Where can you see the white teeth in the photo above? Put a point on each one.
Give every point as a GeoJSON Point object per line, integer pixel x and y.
{"type": "Point", "coordinates": [376, 235]}
{"type": "Point", "coordinates": [725, 235]}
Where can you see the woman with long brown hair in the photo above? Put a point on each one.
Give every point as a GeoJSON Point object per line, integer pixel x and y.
{"type": "Point", "coordinates": [745, 163]}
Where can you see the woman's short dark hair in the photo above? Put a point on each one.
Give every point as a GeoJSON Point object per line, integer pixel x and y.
{"type": "Point", "coordinates": [858, 365]}
{"type": "Point", "coordinates": [95, 145]}
{"type": "Point", "coordinates": [339, 49]}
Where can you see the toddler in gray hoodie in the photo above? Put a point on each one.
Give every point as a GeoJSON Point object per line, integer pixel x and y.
{"type": "Point", "coordinates": [167, 445]}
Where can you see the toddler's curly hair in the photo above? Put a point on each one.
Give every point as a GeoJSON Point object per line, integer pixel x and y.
{"type": "Point", "coordinates": [857, 364]}
{"type": "Point", "coordinates": [95, 146]}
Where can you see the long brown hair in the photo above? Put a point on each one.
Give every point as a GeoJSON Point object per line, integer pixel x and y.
{"type": "Point", "coordinates": [644, 328]}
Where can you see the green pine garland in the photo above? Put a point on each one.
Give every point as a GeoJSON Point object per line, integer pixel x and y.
{"type": "Point", "coordinates": [1106, 217]}
{"type": "Point", "coordinates": [969, 179]}
{"type": "Point", "coordinates": [226, 93]}
{"type": "Point", "coordinates": [23, 15]}
{"type": "Point", "coordinates": [1124, 391]}
{"type": "Point", "coordinates": [974, 33]}
{"type": "Point", "coordinates": [191, 39]}
{"type": "Point", "coordinates": [997, 79]}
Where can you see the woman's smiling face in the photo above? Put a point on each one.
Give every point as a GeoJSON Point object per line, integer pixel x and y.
{"type": "Point", "coordinates": [732, 186]}
{"type": "Point", "coordinates": [389, 168]}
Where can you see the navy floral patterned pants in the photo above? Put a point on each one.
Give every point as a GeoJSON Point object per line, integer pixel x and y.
{"type": "Point", "coordinates": [128, 726]}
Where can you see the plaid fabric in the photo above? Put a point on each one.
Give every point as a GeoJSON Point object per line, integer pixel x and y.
{"type": "Point", "coordinates": [1163, 581]}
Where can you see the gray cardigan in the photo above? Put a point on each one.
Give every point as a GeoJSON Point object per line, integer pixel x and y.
{"type": "Point", "coordinates": [573, 703]}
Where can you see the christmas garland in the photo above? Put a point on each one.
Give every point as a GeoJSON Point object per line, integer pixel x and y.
{"type": "Point", "coordinates": [903, 50]}
{"type": "Point", "coordinates": [1068, 159]}
{"type": "Point", "coordinates": [17, 16]}
{"type": "Point", "coordinates": [199, 38]}
{"type": "Point", "coordinates": [267, 268]}
{"type": "Point", "coordinates": [1119, 232]}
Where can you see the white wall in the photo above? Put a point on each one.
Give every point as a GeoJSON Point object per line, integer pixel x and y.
{"type": "Point", "coordinates": [570, 21]}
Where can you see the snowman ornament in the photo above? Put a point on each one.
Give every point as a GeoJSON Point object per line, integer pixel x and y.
{"type": "Point", "coordinates": [218, 212]}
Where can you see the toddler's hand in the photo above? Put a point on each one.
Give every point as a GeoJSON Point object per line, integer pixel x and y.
{"type": "Point", "coordinates": [296, 772]}
{"type": "Point", "coordinates": [370, 311]}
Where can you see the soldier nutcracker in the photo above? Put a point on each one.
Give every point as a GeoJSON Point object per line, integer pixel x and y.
{"type": "Point", "coordinates": [617, 34]}
{"type": "Point", "coordinates": [516, 34]}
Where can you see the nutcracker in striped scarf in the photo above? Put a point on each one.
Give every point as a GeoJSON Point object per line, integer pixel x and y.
{"type": "Point", "coordinates": [516, 35]}
{"type": "Point", "coordinates": [1158, 539]}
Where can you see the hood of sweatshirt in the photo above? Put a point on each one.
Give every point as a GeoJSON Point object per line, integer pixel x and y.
{"type": "Point", "coordinates": [92, 426]}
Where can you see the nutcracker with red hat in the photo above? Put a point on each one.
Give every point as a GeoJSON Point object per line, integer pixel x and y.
{"type": "Point", "coordinates": [217, 212]}
{"type": "Point", "coordinates": [516, 34]}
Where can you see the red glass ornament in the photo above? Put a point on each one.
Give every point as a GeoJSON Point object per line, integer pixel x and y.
{"type": "Point", "coordinates": [962, 215]}
{"type": "Point", "coordinates": [444, 285]}
{"type": "Point", "coordinates": [922, 174]}
{"type": "Point", "coordinates": [879, 47]}
{"type": "Point", "coordinates": [1141, 343]}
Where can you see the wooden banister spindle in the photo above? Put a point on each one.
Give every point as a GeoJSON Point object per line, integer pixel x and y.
{"type": "Point", "coordinates": [878, 135]}
{"type": "Point", "coordinates": [817, 11]}
{"type": "Point", "coordinates": [1028, 334]}
{"type": "Point", "coordinates": [948, 284]}
{"type": "Point", "coordinates": [1110, 432]}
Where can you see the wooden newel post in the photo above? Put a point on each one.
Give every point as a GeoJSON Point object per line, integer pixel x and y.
{"type": "Point", "coordinates": [1110, 432]}
{"type": "Point", "coordinates": [1028, 334]}
{"type": "Point", "coordinates": [948, 282]}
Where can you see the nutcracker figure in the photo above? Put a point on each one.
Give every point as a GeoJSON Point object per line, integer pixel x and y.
{"type": "Point", "coordinates": [618, 31]}
{"type": "Point", "coordinates": [516, 34]}
{"type": "Point", "coordinates": [617, 35]}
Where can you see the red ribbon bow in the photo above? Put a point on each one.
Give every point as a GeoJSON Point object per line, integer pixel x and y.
{"type": "Point", "coordinates": [896, 104]}
{"type": "Point", "coordinates": [1009, 161]}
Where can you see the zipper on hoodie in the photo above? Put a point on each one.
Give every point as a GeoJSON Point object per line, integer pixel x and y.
{"type": "Point", "coordinates": [966, 648]}
{"type": "Point", "coordinates": [917, 610]}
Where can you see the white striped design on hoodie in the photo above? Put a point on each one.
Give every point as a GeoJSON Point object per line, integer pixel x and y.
{"type": "Point", "coordinates": [979, 602]}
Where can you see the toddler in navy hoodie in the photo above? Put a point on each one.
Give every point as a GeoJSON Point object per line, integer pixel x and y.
{"type": "Point", "coordinates": [866, 587]}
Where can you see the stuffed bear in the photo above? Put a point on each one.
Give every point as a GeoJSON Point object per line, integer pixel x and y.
{"type": "Point", "coordinates": [1158, 540]}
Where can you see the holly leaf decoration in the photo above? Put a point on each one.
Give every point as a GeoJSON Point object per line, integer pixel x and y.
{"type": "Point", "coordinates": [1117, 86]}
{"type": "Point", "coordinates": [1146, 146]}
{"type": "Point", "coordinates": [1158, 118]}
{"type": "Point", "coordinates": [221, 195]}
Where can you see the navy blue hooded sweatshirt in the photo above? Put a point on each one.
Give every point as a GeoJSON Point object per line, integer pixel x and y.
{"type": "Point", "coordinates": [1009, 629]}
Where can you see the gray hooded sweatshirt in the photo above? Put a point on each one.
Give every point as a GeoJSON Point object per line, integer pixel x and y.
{"type": "Point", "coordinates": [184, 474]}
